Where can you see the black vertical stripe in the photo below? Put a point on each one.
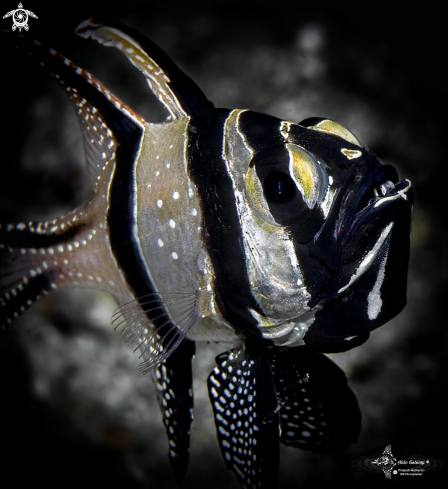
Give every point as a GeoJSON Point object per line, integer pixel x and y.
{"type": "Point", "coordinates": [120, 218]}
{"type": "Point", "coordinates": [222, 230]}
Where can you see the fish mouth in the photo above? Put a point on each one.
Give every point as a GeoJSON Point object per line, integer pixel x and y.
{"type": "Point", "coordinates": [372, 199]}
{"type": "Point", "coordinates": [367, 288]}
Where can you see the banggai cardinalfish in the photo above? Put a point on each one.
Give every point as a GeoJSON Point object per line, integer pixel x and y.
{"type": "Point", "coordinates": [287, 240]}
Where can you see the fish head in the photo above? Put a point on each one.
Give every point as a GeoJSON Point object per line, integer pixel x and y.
{"type": "Point", "coordinates": [325, 229]}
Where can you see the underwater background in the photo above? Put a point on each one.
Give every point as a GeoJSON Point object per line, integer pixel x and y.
{"type": "Point", "coordinates": [74, 409]}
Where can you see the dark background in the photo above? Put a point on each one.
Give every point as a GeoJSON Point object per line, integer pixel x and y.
{"type": "Point", "coordinates": [74, 409]}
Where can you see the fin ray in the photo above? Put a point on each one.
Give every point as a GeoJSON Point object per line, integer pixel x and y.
{"type": "Point", "coordinates": [156, 338]}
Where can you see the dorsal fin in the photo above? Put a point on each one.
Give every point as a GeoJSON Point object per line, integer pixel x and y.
{"type": "Point", "coordinates": [106, 121]}
{"type": "Point", "coordinates": [177, 91]}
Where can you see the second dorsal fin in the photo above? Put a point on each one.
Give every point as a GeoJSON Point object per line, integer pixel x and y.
{"type": "Point", "coordinates": [177, 91]}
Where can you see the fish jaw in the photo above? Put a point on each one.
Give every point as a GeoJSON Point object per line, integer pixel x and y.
{"type": "Point", "coordinates": [371, 290]}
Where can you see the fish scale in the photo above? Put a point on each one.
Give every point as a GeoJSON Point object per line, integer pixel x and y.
{"type": "Point", "coordinates": [285, 240]}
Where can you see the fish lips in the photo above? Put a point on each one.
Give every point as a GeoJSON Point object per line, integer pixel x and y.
{"type": "Point", "coordinates": [369, 288]}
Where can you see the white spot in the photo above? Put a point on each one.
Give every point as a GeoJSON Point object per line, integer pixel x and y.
{"type": "Point", "coordinates": [160, 243]}
{"type": "Point", "coordinates": [194, 212]}
{"type": "Point", "coordinates": [175, 195]}
{"type": "Point", "coordinates": [172, 224]}
{"type": "Point", "coordinates": [174, 255]}
{"type": "Point", "coordinates": [306, 434]}
{"type": "Point", "coordinates": [218, 406]}
{"type": "Point", "coordinates": [60, 248]}
{"type": "Point", "coordinates": [159, 203]}
{"type": "Point", "coordinates": [111, 283]}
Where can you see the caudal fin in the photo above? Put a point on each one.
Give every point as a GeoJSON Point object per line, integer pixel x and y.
{"type": "Point", "coordinates": [27, 269]}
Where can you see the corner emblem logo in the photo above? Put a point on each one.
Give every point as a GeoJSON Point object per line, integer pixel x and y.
{"type": "Point", "coordinates": [20, 18]}
{"type": "Point", "coordinates": [416, 465]}
{"type": "Point", "coordinates": [386, 462]}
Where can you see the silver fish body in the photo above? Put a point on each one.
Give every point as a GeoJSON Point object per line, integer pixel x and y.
{"type": "Point", "coordinates": [286, 240]}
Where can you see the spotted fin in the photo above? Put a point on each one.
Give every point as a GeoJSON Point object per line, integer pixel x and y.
{"type": "Point", "coordinates": [174, 383]}
{"type": "Point", "coordinates": [177, 91]}
{"type": "Point", "coordinates": [72, 250]}
{"type": "Point", "coordinates": [242, 394]}
{"type": "Point", "coordinates": [106, 121]}
{"type": "Point", "coordinates": [318, 411]}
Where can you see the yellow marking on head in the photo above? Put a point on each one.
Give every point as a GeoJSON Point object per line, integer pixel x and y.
{"type": "Point", "coordinates": [284, 129]}
{"type": "Point", "coordinates": [331, 127]}
{"type": "Point", "coordinates": [255, 191]}
{"type": "Point", "coordinates": [302, 170]}
{"type": "Point", "coordinates": [351, 155]}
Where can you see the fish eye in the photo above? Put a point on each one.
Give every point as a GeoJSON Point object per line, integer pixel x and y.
{"type": "Point", "coordinates": [278, 187]}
